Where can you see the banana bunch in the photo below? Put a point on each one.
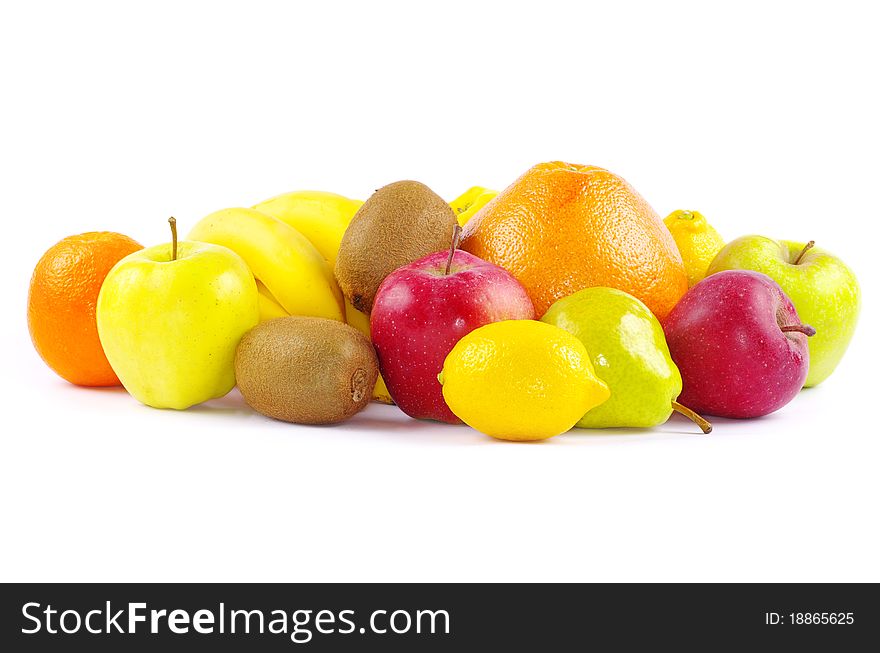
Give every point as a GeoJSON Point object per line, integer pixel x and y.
{"type": "Point", "coordinates": [290, 243]}
{"type": "Point", "coordinates": [294, 279]}
{"type": "Point", "coordinates": [321, 217]}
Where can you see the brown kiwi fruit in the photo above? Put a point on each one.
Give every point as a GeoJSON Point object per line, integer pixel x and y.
{"type": "Point", "coordinates": [307, 370]}
{"type": "Point", "coordinates": [401, 222]}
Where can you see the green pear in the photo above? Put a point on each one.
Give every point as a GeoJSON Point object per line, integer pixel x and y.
{"type": "Point", "coordinates": [629, 352]}
{"type": "Point", "coordinates": [822, 288]}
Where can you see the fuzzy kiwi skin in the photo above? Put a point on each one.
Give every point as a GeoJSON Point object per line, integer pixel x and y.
{"type": "Point", "coordinates": [307, 370]}
{"type": "Point", "coordinates": [398, 224]}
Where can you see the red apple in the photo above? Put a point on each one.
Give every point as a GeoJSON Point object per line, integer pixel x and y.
{"type": "Point", "coordinates": [422, 309]}
{"type": "Point", "coordinates": [739, 344]}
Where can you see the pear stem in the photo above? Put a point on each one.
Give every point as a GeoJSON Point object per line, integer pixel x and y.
{"type": "Point", "coordinates": [700, 421]}
{"type": "Point", "coordinates": [806, 248]}
{"type": "Point", "coordinates": [173, 223]}
{"type": "Point", "coordinates": [456, 236]}
{"type": "Point", "coordinates": [806, 329]}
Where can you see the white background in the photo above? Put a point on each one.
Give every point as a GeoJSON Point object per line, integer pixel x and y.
{"type": "Point", "coordinates": [764, 116]}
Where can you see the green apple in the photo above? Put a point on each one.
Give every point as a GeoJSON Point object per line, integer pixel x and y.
{"type": "Point", "coordinates": [822, 288]}
{"type": "Point", "coordinates": [170, 317]}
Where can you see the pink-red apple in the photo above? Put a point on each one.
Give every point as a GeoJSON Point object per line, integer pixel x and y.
{"type": "Point", "coordinates": [422, 309]}
{"type": "Point", "coordinates": [739, 344]}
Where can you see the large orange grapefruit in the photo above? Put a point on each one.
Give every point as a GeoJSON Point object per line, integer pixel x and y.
{"type": "Point", "coordinates": [562, 227]}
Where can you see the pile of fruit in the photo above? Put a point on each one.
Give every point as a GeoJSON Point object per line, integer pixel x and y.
{"type": "Point", "coordinates": [563, 301]}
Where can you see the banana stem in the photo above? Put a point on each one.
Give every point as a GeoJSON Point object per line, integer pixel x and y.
{"type": "Point", "coordinates": [173, 223]}
{"type": "Point", "coordinates": [700, 421]}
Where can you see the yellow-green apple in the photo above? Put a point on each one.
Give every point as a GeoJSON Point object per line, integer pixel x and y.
{"type": "Point", "coordinates": [822, 288]}
{"type": "Point", "coordinates": [170, 317]}
{"type": "Point", "coordinates": [422, 309]}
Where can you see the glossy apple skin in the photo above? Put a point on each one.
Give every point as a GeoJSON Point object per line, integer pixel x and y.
{"type": "Point", "coordinates": [725, 337]}
{"type": "Point", "coordinates": [420, 313]}
{"type": "Point", "coordinates": [822, 288]}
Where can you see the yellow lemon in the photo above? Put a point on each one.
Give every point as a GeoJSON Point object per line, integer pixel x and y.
{"type": "Point", "coordinates": [471, 201]}
{"type": "Point", "coordinates": [697, 241]}
{"type": "Point", "coordinates": [520, 380]}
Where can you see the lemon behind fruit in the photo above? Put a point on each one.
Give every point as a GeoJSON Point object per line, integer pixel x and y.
{"type": "Point", "coordinates": [520, 380]}
{"type": "Point", "coordinates": [697, 242]}
{"type": "Point", "coordinates": [471, 201]}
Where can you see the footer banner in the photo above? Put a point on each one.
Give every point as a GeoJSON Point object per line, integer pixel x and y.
{"type": "Point", "coordinates": [428, 617]}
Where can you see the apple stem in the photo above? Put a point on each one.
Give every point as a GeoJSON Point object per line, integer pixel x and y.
{"type": "Point", "coordinates": [456, 236]}
{"type": "Point", "coordinates": [700, 421]}
{"type": "Point", "coordinates": [806, 248]}
{"type": "Point", "coordinates": [806, 329]}
{"type": "Point", "coordinates": [173, 223]}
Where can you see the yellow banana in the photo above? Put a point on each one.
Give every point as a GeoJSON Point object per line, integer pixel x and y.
{"type": "Point", "coordinates": [284, 260]}
{"type": "Point", "coordinates": [269, 306]}
{"type": "Point", "coordinates": [319, 216]}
